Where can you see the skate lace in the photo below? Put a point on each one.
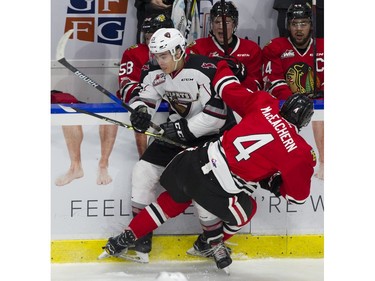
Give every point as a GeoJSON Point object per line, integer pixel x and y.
{"type": "Point", "coordinates": [126, 239]}
{"type": "Point", "coordinates": [208, 252]}
{"type": "Point", "coordinates": [219, 251]}
{"type": "Point", "coordinates": [121, 241]}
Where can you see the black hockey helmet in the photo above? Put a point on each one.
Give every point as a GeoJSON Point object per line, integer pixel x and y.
{"type": "Point", "coordinates": [299, 10]}
{"type": "Point", "coordinates": [298, 110]}
{"type": "Point", "coordinates": [229, 10]}
{"type": "Point", "coordinates": [150, 25]}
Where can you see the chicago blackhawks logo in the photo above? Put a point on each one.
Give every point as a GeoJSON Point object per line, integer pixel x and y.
{"type": "Point", "coordinates": [300, 78]}
{"type": "Point", "coordinates": [313, 155]}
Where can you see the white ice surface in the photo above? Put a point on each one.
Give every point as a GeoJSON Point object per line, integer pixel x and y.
{"type": "Point", "coordinates": [249, 270]}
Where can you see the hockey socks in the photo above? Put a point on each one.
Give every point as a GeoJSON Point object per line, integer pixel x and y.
{"type": "Point", "coordinates": [230, 230]}
{"type": "Point", "coordinates": [155, 214]}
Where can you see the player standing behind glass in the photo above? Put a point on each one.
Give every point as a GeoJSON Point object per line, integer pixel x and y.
{"type": "Point", "coordinates": [197, 113]}
{"type": "Point", "coordinates": [288, 66]}
{"type": "Point", "coordinates": [150, 9]}
{"type": "Point", "coordinates": [131, 66]}
{"type": "Point", "coordinates": [244, 56]}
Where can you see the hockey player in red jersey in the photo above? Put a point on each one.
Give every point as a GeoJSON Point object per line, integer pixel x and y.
{"type": "Point", "coordinates": [137, 55]}
{"type": "Point", "coordinates": [288, 66]}
{"type": "Point", "coordinates": [264, 150]}
{"type": "Point", "coordinates": [244, 56]}
{"type": "Point", "coordinates": [131, 66]}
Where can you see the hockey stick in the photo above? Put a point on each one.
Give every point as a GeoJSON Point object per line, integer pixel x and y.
{"type": "Point", "coordinates": [225, 30]}
{"type": "Point", "coordinates": [71, 109]}
{"type": "Point", "coordinates": [190, 5]}
{"type": "Point", "coordinates": [314, 44]}
{"type": "Point", "coordinates": [60, 57]}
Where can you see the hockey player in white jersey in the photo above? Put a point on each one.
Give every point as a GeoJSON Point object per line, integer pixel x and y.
{"type": "Point", "coordinates": [197, 115]}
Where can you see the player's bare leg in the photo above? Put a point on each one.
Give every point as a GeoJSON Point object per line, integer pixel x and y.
{"type": "Point", "coordinates": [73, 137]}
{"type": "Point", "coordinates": [107, 135]}
{"type": "Point", "coordinates": [318, 130]}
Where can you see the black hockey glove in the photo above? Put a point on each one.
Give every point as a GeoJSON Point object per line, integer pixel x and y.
{"type": "Point", "coordinates": [272, 184]}
{"type": "Point", "coordinates": [140, 119]}
{"type": "Point", "coordinates": [177, 131]}
{"type": "Point", "coordinates": [238, 68]}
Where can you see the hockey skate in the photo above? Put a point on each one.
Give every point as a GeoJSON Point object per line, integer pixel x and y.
{"type": "Point", "coordinates": [139, 252]}
{"type": "Point", "coordinates": [118, 246]}
{"type": "Point", "coordinates": [201, 248]}
{"type": "Point", "coordinates": [220, 254]}
{"type": "Point", "coordinates": [212, 248]}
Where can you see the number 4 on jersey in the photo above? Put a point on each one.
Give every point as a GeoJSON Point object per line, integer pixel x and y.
{"type": "Point", "coordinates": [244, 153]}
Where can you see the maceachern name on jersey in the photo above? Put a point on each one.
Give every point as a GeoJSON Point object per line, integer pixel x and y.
{"type": "Point", "coordinates": [280, 127]}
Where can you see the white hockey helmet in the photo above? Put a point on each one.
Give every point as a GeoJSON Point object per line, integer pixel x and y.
{"type": "Point", "coordinates": [170, 276]}
{"type": "Point", "coordinates": [167, 39]}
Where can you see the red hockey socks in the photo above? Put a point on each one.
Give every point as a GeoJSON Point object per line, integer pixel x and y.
{"type": "Point", "coordinates": [155, 214]}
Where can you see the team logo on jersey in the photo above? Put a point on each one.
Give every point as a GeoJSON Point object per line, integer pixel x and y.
{"type": "Point", "coordinates": [181, 102]}
{"type": "Point", "coordinates": [288, 54]}
{"type": "Point", "coordinates": [268, 43]}
{"type": "Point", "coordinates": [133, 46]}
{"type": "Point", "coordinates": [313, 154]}
{"type": "Point", "coordinates": [208, 65]}
{"type": "Point", "coordinates": [145, 67]}
{"type": "Point", "coordinates": [159, 79]}
{"type": "Point", "coordinates": [213, 162]}
{"type": "Point", "coordinates": [191, 45]}
{"type": "Point", "coordinates": [300, 78]}
{"type": "Point", "coordinates": [213, 54]}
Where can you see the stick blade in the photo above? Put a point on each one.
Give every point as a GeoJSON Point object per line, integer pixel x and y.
{"type": "Point", "coordinates": [62, 43]}
{"type": "Point", "coordinates": [67, 108]}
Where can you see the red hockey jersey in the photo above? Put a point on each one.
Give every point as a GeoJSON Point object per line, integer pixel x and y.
{"type": "Point", "coordinates": [260, 145]}
{"type": "Point", "coordinates": [287, 71]}
{"type": "Point", "coordinates": [245, 51]}
{"type": "Point", "coordinates": [130, 69]}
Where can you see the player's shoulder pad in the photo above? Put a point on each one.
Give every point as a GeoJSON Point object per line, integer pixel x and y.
{"type": "Point", "coordinates": [269, 42]}
{"type": "Point", "coordinates": [276, 42]}
{"type": "Point", "coordinates": [200, 61]}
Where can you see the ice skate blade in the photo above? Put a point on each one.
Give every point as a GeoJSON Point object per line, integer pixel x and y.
{"type": "Point", "coordinates": [137, 257]}
{"type": "Point", "coordinates": [226, 270]}
{"type": "Point", "coordinates": [195, 253]}
{"type": "Point", "coordinates": [103, 255]}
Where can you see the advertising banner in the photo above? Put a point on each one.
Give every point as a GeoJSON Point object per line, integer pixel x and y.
{"type": "Point", "coordinates": [87, 209]}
